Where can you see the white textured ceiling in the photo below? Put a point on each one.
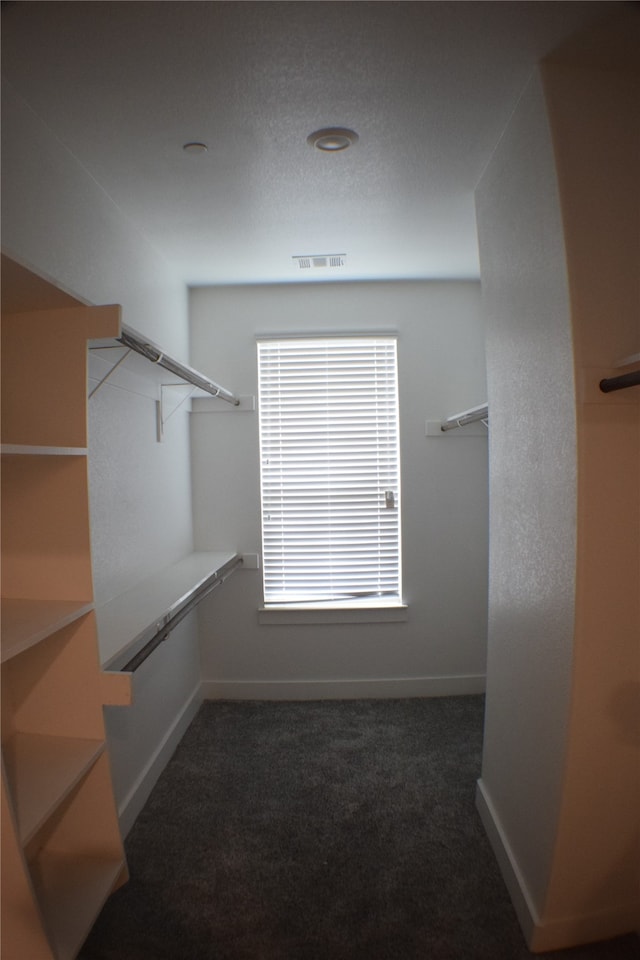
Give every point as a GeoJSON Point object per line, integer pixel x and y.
{"type": "Point", "coordinates": [428, 86]}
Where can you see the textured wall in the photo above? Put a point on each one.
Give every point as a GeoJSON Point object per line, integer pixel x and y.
{"type": "Point", "coordinates": [444, 487]}
{"type": "Point", "coordinates": [57, 221]}
{"type": "Point", "coordinates": [60, 223]}
{"type": "Point", "coordinates": [559, 247]}
{"type": "Point", "coordinates": [533, 488]}
{"type": "Point", "coordinates": [140, 489]}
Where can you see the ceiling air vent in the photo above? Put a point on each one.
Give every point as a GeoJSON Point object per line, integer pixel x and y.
{"type": "Point", "coordinates": [321, 260]}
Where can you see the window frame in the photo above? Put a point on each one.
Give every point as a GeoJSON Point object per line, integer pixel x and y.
{"type": "Point", "coordinates": [375, 606]}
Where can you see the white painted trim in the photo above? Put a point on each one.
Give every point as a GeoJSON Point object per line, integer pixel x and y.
{"type": "Point", "coordinates": [511, 873]}
{"type": "Point", "coordinates": [547, 935]}
{"type": "Point", "coordinates": [348, 612]}
{"type": "Point", "coordinates": [342, 689]}
{"type": "Point", "coordinates": [146, 781]}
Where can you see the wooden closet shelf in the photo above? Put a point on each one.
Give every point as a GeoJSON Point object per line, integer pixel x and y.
{"type": "Point", "coordinates": [26, 622]}
{"type": "Point", "coordinates": [33, 450]}
{"type": "Point", "coordinates": [42, 771]}
{"type": "Point", "coordinates": [72, 892]}
{"type": "Point", "coordinates": [61, 843]}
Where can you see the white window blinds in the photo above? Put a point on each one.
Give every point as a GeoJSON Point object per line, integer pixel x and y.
{"type": "Point", "coordinates": [329, 469]}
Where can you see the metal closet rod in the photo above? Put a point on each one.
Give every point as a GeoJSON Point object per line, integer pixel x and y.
{"type": "Point", "coordinates": [129, 338]}
{"type": "Point", "coordinates": [172, 621]}
{"type": "Point", "coordinates": [467, 416]}
{"type": "Point", "coordinates": [621, 383]}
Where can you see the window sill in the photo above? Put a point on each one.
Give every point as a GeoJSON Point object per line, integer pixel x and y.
{"type": "Point", "coordinates": [346, 612]}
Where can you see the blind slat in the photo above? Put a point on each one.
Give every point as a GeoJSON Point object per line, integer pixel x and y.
{"type": "Point", "coordinates": [329, 460]}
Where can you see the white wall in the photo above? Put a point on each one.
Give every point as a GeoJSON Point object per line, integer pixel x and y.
{"type": "Point", "coordinates": [58, 222]}
{"type": "Point", "coordinates": [441, 648]}
{"type": "Point", "coordinates": [533, 477]}
{"type": "Point", "coordinates": [140, 489]}
{"type": "Point", "coordinates": [559, 248]}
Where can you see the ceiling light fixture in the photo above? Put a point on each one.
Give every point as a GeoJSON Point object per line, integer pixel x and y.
{"type": "Point", "coordinates": [332, 139]}
{"type": "Point", "coordinates": [195, 147]}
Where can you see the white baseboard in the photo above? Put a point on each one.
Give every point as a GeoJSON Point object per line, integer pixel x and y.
{"type": "Point", "coordinates": [511, 874]}
{"type": "Point", "coordinates": [547, 935]}
{"type": "Point", "coordinates": [139, 793]}
{"type": "Point", "coordinates": [342, 689]}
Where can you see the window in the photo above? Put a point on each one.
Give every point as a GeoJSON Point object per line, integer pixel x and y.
{"type": "Point", "coordinates": [330, 470]}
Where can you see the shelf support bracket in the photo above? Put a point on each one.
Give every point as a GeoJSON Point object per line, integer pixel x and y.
{"type": "Point", "coordinates": [161, 419]}
{"type": "Point", "coordinates": [112, 370]}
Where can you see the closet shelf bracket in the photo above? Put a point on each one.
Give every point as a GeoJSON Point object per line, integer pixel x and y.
{"type": "Point", "coordinates": [108, 374]}
{"type": "Point", "coordinates": [129, 338]}
{"type": "Point", "coordinates": [161, 417]}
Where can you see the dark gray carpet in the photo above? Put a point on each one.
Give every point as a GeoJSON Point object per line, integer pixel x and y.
{"type": "Point", "coordinates": [319, 831]}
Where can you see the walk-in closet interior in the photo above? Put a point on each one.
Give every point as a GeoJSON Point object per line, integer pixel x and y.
{"type": "Point", "coordinates": [472, 192]}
